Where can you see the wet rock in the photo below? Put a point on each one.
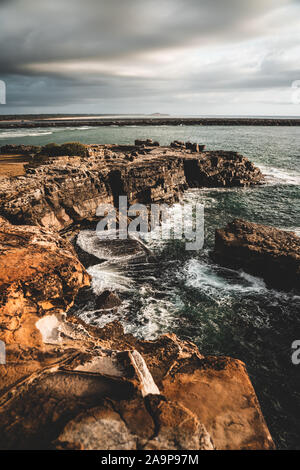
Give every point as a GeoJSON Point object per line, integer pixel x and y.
{"type": "Point", "coordinates": [86, 259]}
{"type": "Point", "coordinates": [107, 300]}
{"type": "Point", "coordinates": [260, 250]}
{"type": "Point", "coordinates": [117, 250]}
{"type": "Point", "coordinates": [177, 144]}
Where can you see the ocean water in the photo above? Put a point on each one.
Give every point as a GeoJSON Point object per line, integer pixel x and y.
{"type": "Point", "coordinates": [223, 311]}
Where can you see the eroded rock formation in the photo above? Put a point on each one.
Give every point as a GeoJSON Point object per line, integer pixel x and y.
{"type": "Point", "coordinates": [58, 192]}
{"type": "Point", "coordinates": [39, 274]}
{"type": "Point", "coordinates": [70, 385]}
{"type": "Point", "coordinates": [261, 250]}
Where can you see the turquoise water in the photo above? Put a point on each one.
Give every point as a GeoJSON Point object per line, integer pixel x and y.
{"type": "Point", "coordinates": [224, 311]}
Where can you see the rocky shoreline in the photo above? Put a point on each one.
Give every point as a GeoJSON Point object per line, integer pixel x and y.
{"type": "Point", "coordinates": [68, 385]}
{"type": "Point", "coordinates": [58, 192]}
{"type": "Point", "coordinates": [264, 251]}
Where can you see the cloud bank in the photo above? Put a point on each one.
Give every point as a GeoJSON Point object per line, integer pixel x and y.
{"type": "Point", "coordinates": [128, 56]}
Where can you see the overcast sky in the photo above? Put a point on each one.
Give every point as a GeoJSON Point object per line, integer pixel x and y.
{"type": "Point", "coordinates": [192, 57]}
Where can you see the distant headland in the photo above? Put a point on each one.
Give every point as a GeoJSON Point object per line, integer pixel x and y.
{"type": "Point", "coordinates": [156, 119]}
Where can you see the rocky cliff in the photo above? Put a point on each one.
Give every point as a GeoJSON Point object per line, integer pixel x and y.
{"type": "Point", "coordinates": [39, 273]}
{"type": "Point", "coordinates": [72, 386]}
{"type": "Point", "coordinates": [261, 250]}
{"type": "Point", "coordinates": [58, 192]}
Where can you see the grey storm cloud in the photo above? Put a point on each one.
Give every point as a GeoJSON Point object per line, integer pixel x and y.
{"type": "Point", "coordinates": [32, 30]}
{"type": "Point", "coordinates": [38, 38]}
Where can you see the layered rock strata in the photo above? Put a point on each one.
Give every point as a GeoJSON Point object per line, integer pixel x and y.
{"type": "Point", "coordinates": [68, 385]}
{"type": "Point", "coordinates": [58, 192]}
{"type": "Point", "coordinates": [39, 274]}
{"type": "Point", "coordinates": [261, 250]}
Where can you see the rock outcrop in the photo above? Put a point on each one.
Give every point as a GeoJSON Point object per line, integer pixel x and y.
{"type": "Point", "coordinates": [219, 392]}
{"type": "Point", "coordinates": [69, 385]}
{"type": "Point", "coordinates": [152, 424]}
{"type": "Point", "coordinates": [58, 192]}
{"type": "Point", "coordinates": [260, 250]}
{"type": "Point", "coordinates": [39, 275]}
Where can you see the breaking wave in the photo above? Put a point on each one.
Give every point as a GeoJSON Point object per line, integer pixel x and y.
{"type": "Point", "coordinates": [104, 276]}
{"type": "Point", "coordinates": [199, 274]}
{"type": "Point", "coordinates": [280, 175]}
{"type": "Point", "coordinates": [23, 133]}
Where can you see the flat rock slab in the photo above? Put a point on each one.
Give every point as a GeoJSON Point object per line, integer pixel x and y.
{"type": "Point", "coordinates": [219, 392]}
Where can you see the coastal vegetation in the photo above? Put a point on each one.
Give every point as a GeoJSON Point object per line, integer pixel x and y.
{"type": "Point", "coordinates": [69, 148]}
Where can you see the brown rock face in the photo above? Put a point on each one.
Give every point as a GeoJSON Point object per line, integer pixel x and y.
{"type": "Point", "coordinates": [220, 169]}
{"type": "Point", "coordinates": [77, 394]}
{"type": "Point", "coordinates": [178, 427]}
{"type": "Point", "coordinates": [69, 385]}
{"type": "Point", "coordinates": [167, 426]}
{"type": "Point", "coordinates": [219, 392]}
{"type": "Point", "coordinates": [61, 191]}
{"type": "Point", "coordinates": [39, 274]}
{"type": "Point", "coordinates": [87, 396]}
{"type": "Point", "coordinates": [262, 251]}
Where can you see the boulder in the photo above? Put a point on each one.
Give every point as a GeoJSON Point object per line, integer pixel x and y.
{"type": "Point", "coordinates": [156, 424]}
{"type": "Point", "coordinates": [194, 147]}
{"type": "Point", "coordinates": [261, 250]}
{"type": "Point", "coordinates": [107, 300]}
